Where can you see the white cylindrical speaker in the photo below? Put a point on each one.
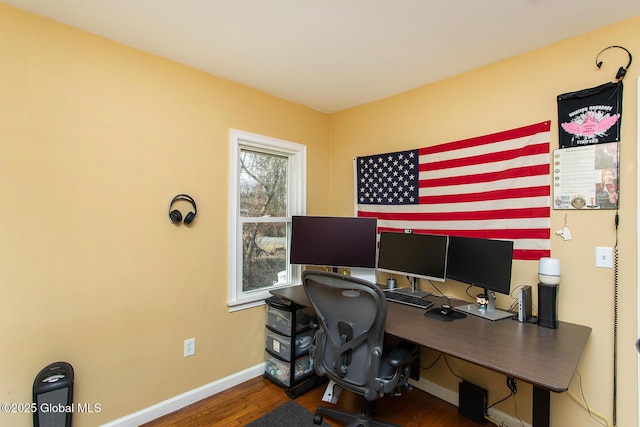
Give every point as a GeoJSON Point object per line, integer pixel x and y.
{"type": "Point", "coordinates": [549, 271]}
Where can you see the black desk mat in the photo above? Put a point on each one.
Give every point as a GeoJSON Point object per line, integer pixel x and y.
{"type": "Point", "coordinates": [434, 313]}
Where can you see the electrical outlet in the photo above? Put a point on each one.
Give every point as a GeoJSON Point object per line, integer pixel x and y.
{"type": "Point", "coordinates": [189, 347]}
{"type": "Point", "coordinates": [604, 257]}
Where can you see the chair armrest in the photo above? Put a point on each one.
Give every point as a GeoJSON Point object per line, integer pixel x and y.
{"type": "Point", "coordinates": [402, 354]}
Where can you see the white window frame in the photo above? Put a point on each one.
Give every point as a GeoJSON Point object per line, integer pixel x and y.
{"type": "Point", "coordinates": [296, 194]}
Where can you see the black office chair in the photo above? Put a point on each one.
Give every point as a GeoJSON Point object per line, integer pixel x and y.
{"type": "Point", "coordinates": [348, 346]}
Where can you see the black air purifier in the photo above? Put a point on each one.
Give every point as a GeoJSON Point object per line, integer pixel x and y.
{"type": "Point", "coordinates": [53, 396]}
{"type": "Point", "coordinates": [548, 283]}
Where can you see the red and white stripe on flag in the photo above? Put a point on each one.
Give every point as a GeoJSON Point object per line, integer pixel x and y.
{"type": "Point", "coordinates": [494, 186]}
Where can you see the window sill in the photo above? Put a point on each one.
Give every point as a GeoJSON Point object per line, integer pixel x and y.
{"type": "Point", "coordinates": [239, 306]}
{"type": "Point", "coordinates": [252, 300]}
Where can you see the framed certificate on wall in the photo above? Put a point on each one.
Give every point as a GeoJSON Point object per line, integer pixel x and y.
{"type": "Point", "coordinates": [586, 177]}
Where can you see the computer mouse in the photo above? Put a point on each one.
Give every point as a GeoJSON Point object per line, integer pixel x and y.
{"type": "Point", "coordinates": [445, 309]}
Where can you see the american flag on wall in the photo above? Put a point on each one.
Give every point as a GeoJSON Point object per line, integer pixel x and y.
{"type": "Point", "coordinates": [494, 186]}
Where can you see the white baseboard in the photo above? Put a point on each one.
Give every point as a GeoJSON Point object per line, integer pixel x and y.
{"type": "Point", "coordinates": [173, 404]}
{"type": "Point", "coordinates": [452, 397]}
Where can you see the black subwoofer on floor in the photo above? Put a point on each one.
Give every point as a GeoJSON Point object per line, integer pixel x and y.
{"type": "Point", "coordinates": [53, 396]}
{"type": "Point", "coordinates": [472, 402]}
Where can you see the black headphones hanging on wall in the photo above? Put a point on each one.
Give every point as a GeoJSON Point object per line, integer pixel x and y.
{"type": "Point", "coordinates": [175, 216]}
{"type": "Point", "coordinates": [622, 71]}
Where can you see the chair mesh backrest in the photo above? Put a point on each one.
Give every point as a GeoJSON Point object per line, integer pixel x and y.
{"type": "Point", "coordinates": [352, 314]}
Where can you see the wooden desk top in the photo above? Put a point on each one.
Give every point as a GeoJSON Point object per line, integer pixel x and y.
{"type": "Point", "coordinates": [544, 357]}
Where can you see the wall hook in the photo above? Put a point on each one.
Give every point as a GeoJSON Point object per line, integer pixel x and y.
{"type": "Point", "coordinates": [622, 71]}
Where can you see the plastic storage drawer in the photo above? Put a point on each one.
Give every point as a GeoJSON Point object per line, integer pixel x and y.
{"type": "Point", "coordinates": [280, 320]}
{"type": "Point", "coordinates": [281, 344]}
{"type": "Point", "coordinates": [303, 366]}
{"type": "Point", "coordinates": [279, 369]}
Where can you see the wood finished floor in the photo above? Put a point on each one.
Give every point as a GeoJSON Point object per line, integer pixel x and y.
{"type": "Point", "coordinates": [249, 401]}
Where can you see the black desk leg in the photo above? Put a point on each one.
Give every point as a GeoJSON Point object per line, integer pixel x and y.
{"type": "Point", "coordinates": [541, 407]}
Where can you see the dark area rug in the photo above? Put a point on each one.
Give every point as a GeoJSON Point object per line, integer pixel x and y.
{"type": "Point", "coordinates": [290, 414]}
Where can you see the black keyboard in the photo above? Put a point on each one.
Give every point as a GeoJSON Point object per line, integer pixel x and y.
{"type": "Point", "coordinates": [411, 300]}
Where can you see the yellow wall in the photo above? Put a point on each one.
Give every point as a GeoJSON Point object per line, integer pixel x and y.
{"type": "Point", "coordinates": [96, 138]}
{"type": "Point", "coordinates": [519, 91]}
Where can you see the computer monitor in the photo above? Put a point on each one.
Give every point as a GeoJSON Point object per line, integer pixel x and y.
{"type": "Point", "coordinates": [420, 256]}
{"type": "Point", "coordinates": [334, 241]}
{"type": "Point", "coordinates": [485, 263]}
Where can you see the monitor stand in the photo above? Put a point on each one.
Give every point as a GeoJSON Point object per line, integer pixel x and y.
{"type": "Point", "coordinates": [490, 312]}
{"type": "Point", "coordinates": [415, 290]}
{"type": "Point", "coordinates": [368, 274]}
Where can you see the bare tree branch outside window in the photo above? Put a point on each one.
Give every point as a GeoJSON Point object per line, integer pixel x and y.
{"type": "Point", "coordinates": [263, 196]}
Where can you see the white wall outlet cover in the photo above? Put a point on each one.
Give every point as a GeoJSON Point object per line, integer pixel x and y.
{"type": "Point", "coordinates": [604, 257]}
{"type": "Point", "coordinates": [189, 347]}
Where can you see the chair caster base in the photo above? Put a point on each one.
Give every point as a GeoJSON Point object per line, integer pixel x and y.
{"type": "Point", "coordinates": [317, 419]}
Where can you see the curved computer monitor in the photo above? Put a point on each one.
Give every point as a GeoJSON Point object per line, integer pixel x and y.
{"type": "Point", "coordinates": [485, 263]}
{"type": "Point", "coordinates": [333, 241]}
{"type": "Point", "coordinates": [423, 256]}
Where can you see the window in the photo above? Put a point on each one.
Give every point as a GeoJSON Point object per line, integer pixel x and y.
{"type": "Point", "coordinates": [267, 187]}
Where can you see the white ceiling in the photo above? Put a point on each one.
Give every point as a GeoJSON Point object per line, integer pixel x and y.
{"type": "Point", "coordinates": [335, 54]}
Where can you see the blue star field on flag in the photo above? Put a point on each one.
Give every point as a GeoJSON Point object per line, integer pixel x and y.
{"type": "Point", "coordinates": [389, 179]}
